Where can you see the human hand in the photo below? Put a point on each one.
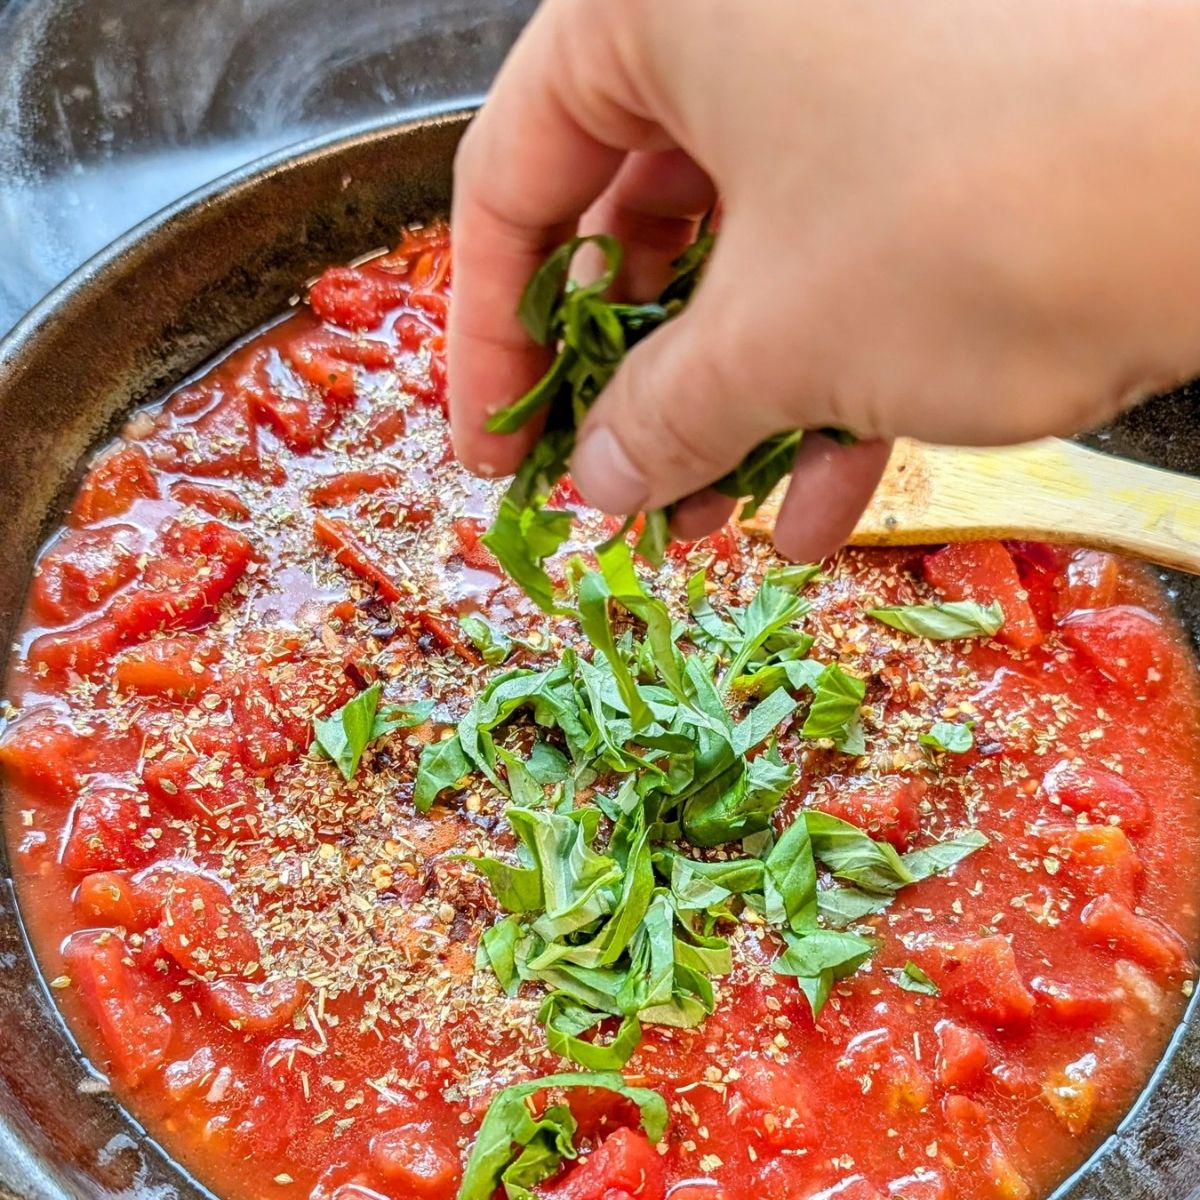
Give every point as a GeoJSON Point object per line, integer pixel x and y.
{"type": "Point", "coordinates": [968, 223]}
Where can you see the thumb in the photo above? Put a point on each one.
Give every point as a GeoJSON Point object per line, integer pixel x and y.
{"type": "Point", "coordinates": [674, 418]}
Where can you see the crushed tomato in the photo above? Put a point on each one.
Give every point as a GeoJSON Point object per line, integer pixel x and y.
{"type": "Point", "coordinates": [276, 967]}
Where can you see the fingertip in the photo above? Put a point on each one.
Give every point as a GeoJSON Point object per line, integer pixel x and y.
{"type": "Point", "coordinates": [701, 513]}
{"type": "Point", "coordinates": [831, 486]}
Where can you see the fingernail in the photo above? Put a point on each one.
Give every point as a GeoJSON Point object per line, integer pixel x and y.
{"type": "Point", "coordinates": [605, 476]}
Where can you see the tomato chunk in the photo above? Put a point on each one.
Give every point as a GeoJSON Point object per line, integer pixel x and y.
{"type": "Point", "coordinates": [981, 977]}
{"type": "Point", "coordinates": [195, 567]}
{"type": "Point", "coordinates": [1125, 644]}
{"type": "Point", "coordinates": [109, 830]}
{"type": "Point", "coordinates": [1095, 859]}
{"type": "Point", "coordinates": [469, 531]}
{"type": "Point", "coordinates": [356, 298]}
{"type": "Point", "coordinates": [888, 809]}
{"type": "Point", "coordinates": [1102, 794]}
{"type": "Point", "coordinates": [963, 1055]}
{"type": "Point", "coordinates": [135, 1027]}
{"type": "Point", "coordinates": [41, 755]}
{"type": "Point", "coordinates": [221, 440]}
{"type": "Point", "coordinates": [895, 1075]}
{"type": "Point", "coordinates": [985, 572]}
{"type": "Point", "coordinates": [202, 931]}
{"type": "Point", "coordinates": [418, 1160]}
{"type": "Point", "coordinates": [1076, 1002]}
{"type": "Point", "coordinates": [625, 1166]}
{"type": "Point", "coordinates": [855, 1187]}
{"type": "Point", "coordinates": [174, 666]}
{"type": "Point", "coordinates": [976, 1142]}
{"type": "Point", "coordinates": [1143, 939]}
{"type": "Point", "coordinates": [110, 488]}
{"type": "Point", "coordinates": [775, 1101]}
{"type": "Point", "coordinates": [256, 1007]}
{"type": "Point", "coordinates": [82, 569]}
{"type": "Point", "coordinates": [107, 897]}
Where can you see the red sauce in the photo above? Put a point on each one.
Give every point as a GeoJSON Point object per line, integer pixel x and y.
{"type": "Point", "coordinates": [274, 967]}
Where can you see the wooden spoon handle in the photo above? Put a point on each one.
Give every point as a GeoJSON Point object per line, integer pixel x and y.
{"type": "Point", "coordinates": [1050, 490]}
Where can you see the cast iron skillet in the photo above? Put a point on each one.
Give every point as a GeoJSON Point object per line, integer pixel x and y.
{"type": "Point", "coordinates": [134, 321]}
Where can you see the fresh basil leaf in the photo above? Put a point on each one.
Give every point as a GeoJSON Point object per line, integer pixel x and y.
{"type": "Point", "coordinates": [941, 856]}
{"type": "Point", "coordinates": [493, 644]}
{"type": "Point", "coordinates": [565, 1021]}
{"type": "Point", "coordinates": [443, 767]}
{"type": "Point", "coordinates": [497, 949]}
{"type": "Point", "coordinates": [840, 907]}
{"type": "Point", "coordinates": [943, 622]}
{"type": "Point", "coordinates": [794, 576]}
{"type": "Point", "coordinates": [762, 721]}
{"type": "Point", "coordinates": [851, 854]}
{"type": "Point", "coordinates": [819, 959]}
{"type": "Point", "coordinates": [698, 885]}
{"type": "Point", "coordinates": [790, 886]}
{"type": "Point", "coordinates": [949, 737]}
{"type": "Point", "coordinates": [344, 734]}
{"type": "Point", "coordinates": [771, 610]}
{"type": "Point", "coordinates": [911, 978]}
{"type": "Point", "coordinates": [546, 764]}
{"type": "Point", "coordinates": [509, 1123]}
{"type": "Point", "coordinates": [758, 473]}
{"type": "Point", "coordinates": [836, 701]}
{"type": "Point", "coordinates": [718, 633]}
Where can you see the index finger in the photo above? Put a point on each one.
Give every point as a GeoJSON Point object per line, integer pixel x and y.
{"type": "Point", "coordinates": [545, 145]}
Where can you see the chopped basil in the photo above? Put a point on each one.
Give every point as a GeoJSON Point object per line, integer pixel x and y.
{"type": "Point", "coordinates": [911, 978]}
{"type": "Point", "coordinates": [949, 737]}
{"type": "Point", "coordinates": [943, 622]}
{"type": "Point", "coordinates": [837, 697]}
{"type": "Point", "coordinates": [493, 644]}
{"type": "Point", "coordinates": [348, 731]}
{"type": "Point", "coordinates": [516, 1150]}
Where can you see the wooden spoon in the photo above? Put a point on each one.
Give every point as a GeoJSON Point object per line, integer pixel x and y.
{"type": "Point", "coordinates": [1050, 491]}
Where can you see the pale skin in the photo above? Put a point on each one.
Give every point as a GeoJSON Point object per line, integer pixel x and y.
{"type": "Point", "coordinates": [972, 222]}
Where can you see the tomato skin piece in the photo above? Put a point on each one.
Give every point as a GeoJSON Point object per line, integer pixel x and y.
{"type": "Point", "coordinates": [625, 1166]}
{"type": "Point", "coordinates": [1100, 793]}
{"type": "Point", "coordinates": [110, 488]}
{"type": "Point", "coordinates": [108, 831]}
{"type": "Point", "coordinates": [1090, 581]}
{"type": "Point", "coordinates": [136, 1030]}
{"type": "Point", "coordinates": [980, 975]}
{"type": "Point", "coordinates": [469, 531]}
{"type": "Point", "coordinates": [81, 570]}
{"type": "Point", "coordinates": [350, 553]}
{"type": "Point", "coordinates": [1124, 643]}
{"type": "Point", "coordinates": [177, 667]}
{"type": "Point", "coordinates": [256, 1007]}
{"type": "Point", "coordinates": [963, 1055]}
{"type": "Point", "coordinates": [201, 930]}
{"type": "Point", "coordinates": [1108, 922]}
{"type": "Point", "coordinates": [888, 809]}
{"type": "Point", "coordinates": [349, 485]}
{"type": "Point", "coordinates": [985, 572]}
{"type": "Point", "coordinates": [416, 1159]}
{"type": "Point", "coordinates": [216, 501]}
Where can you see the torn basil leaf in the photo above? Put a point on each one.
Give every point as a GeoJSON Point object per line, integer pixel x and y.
{"type": "Point", "coordinates": [943, 622]}
{"type": "Point", "coordinates": [348, 731]}
{"type": "Point", "coordinates": [911, 978]}
{"type": "Point", "coordinates": [949, 737]}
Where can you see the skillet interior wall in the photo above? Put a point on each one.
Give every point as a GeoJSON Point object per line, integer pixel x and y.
{"type": "Point", "coordinates": [133, 323]}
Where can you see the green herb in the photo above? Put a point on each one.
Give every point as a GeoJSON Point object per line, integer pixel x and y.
{"type": "Point", "coordinates": [592, 334]}
{"type": "Point", "coordinates": [943, 622]}
{"type": "Point", "coordinates": [516, 1150]}
{"type": "Point", "coordinates": [345, 733]}
{"type": "Point", "coordinates": [442, 768]}
{"type": "Point", "coordinates": [837, 697]}
{"type": "Point", "coordinates": [911, 978]}
{"type": "Point", "coordinates": [949, 737]}
{"type": "Point", "coordinates": [493, 644]}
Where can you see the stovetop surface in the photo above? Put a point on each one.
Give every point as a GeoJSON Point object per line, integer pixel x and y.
{"type": "Point", "coordinates": [110, 109]}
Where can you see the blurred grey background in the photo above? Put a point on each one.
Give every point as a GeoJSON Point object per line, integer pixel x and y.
{"type": "Point", "coordinates": [110, 109]}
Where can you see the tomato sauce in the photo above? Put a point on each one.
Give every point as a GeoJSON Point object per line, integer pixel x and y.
{"type": "Point", "coordinates": [274, 968]}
